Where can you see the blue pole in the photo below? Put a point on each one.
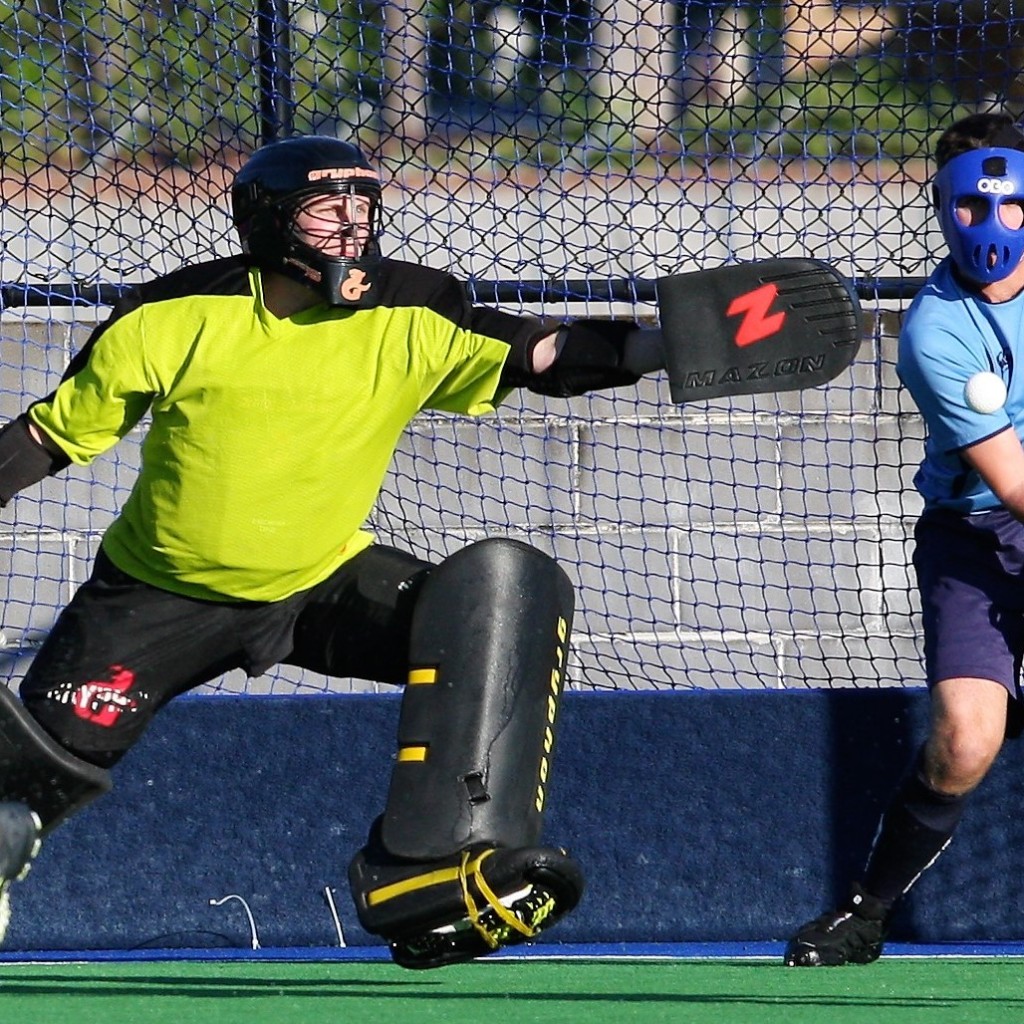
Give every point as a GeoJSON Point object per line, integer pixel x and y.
{"type": "Point", "coordinates": [275, 68]}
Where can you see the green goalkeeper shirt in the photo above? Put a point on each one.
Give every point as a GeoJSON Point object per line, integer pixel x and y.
{"type": "Point", "coordinates": [269, 438]}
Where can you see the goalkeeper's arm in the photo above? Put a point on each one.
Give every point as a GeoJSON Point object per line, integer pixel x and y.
{"type": "Point", "coordinates": [26, 457]}
{"type": "Point", "coordinates": [586, 355]}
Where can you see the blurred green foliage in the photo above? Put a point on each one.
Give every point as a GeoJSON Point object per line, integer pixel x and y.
{"type": "Point", "coordinates": [84, 80]}
{"type": "Point", "coordinates": [855, 111]}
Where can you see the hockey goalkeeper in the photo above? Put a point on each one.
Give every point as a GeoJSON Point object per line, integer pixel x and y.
{"type": "Point", "coordinates": [279, 383]}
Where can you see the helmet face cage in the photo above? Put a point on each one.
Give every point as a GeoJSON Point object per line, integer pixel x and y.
{"type": "Point", "coordinates": [272, 188]}
{"type": "Point", "coordinates": [987, 251]}
{"type": "Point", "coordinates": [290, 209]}
{"type": "Point", "coordinates": [324, 272]}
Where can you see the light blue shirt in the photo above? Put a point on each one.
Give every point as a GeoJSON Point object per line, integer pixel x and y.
{"type": "Point", "coordinates": [949, 334]}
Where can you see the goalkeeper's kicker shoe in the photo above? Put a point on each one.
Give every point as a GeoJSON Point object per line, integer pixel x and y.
{"type": "Point", "coordinates": [513, 919]}
{"type": "Point", "coordinates": [19, 843]}
{"type": "Point", "coordinates": [852, 934]}
{"type": "Point", "coordinates": [469, 904]}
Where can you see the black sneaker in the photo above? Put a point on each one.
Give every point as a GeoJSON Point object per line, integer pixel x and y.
{"type": "Point", "coordinates": [852, 934]}
{"type": "Point", "coordinates": [19, 843]}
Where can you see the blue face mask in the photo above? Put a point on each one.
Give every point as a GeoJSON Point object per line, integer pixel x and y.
{"type": "Point", "coordinates": [986, 251]}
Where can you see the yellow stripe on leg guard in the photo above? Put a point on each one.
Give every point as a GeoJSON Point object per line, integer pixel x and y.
{"type": "Point", "coordinates": [422, 676]}
{"type": "Point", "coordinates": [389, 892]}
{"type": "Point", "coordinates": [412, 753]}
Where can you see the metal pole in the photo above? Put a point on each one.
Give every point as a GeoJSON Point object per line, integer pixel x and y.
{"type": "Point", "coordinates": [275, 66]}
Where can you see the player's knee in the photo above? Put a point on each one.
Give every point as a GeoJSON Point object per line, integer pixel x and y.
{"type": "Point", "coordinates": [958, 758]}
{"type": "Point", "coordinates": [969, 723]}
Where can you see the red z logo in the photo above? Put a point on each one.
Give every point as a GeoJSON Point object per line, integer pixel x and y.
{"type": "Point", "coordinates": [103, 703]}
{"type": "Point", "coordinates": [757, 325]}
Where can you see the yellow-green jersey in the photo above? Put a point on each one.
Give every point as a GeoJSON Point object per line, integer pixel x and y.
{"type": "Point", "coordinates": [269, 438]}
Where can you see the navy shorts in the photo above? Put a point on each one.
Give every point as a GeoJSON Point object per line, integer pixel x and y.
{"type": "Point", "coordinates": [970, 571]}
{"type": "Point", "coordinates": [121, 648]}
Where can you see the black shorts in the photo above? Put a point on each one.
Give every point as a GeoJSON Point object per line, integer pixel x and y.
{"type": "Point", "coordinates": [122, 648]}
{"type": "Point", "coordinates": [970, 570]}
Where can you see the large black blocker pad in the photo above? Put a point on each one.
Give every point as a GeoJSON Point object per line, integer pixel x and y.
{"type": "Point", "coordinates": [773, 325]}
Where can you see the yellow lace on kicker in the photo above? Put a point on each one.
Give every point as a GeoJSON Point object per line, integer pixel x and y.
{"type": "Point", "coordinates": [472, 869]}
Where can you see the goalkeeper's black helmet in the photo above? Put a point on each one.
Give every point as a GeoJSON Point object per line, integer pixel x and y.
{"type": "Point", "coordinates": [270, 190]}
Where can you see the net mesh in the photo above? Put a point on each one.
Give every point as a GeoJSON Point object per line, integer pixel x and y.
{"type": "Point", "coordinates": [559, 157]}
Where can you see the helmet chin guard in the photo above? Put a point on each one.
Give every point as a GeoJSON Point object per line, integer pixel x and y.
{"type": "Point", "coordinates": [267, 193]}
{"type": "Point", "coordinates": [987, 251]}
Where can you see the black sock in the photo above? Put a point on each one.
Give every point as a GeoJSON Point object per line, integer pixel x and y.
{"type": "Point", "coordinates": [915, 829]}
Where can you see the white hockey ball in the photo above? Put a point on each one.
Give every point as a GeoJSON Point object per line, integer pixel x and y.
{"type": "Point", "coordinates": [985, 392]}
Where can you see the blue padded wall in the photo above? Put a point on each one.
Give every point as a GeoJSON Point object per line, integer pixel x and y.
{"type": "Point", "coordinates": [697, 816]}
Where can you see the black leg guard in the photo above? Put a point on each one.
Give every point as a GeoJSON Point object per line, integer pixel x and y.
{"type": "Point", "coordinates": [466, 803]}
{"type": "Point", "coordinates": [488, 649]}
{"type": "Point", "coordinates": [38, 771]}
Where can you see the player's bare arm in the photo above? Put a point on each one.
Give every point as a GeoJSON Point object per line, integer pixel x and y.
{"type": "Point", "coordinates": [1000, 462]}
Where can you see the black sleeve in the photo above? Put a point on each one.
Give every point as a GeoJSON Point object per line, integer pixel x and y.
{"type": "Point", "coordinates": [23, 460]}
{"type": "Point", "coordinates": [590, 358]}
{"type": "Point", "coordinates": [520, 333]}
{"type": "Point", "coordinates": [129, 301]}
{"type": "Point", "coordinates": [225, 276]}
